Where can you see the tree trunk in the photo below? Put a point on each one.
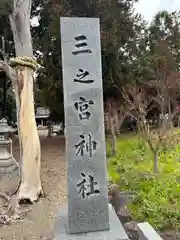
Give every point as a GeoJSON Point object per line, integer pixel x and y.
{"type": "Point", "coordinates": [113, 137]}
{"type": "Point", "coordinates": [178, 121]}
{"type": "Point", "coordinates": [155, 161]}
{"type": "Point", "coordinates": [154, 151]}
{"type": "Point", "coordinates": [49, 130]}
{"type": "Point", "coordinates": [30, 187]}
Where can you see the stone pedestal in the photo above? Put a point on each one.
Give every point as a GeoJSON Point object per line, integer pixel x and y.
{"type": "Point", "coordinates": [7, 162]}
{"type": "Point", "coordinates": [116, 231]}
{"type": "Point", "coordinates": [9, 169]}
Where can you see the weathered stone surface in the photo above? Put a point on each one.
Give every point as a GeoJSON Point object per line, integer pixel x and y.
{"type": "Point", "coordinates": [84, 125]}
{"type": "Point", "coordinates": [131, 230]}
{"type": "Point", "coordinates": [170, 235]}
{"type": "Point", "coordinates": [119, 201]}
{"type": "Point", "coordinates": [116, 231]}
{"type": "Point", "coordinates": [9, 169]}
{"type": "Point", "coordinates": [146, 232]}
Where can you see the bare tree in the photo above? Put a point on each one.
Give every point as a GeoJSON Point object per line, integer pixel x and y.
{"type": "Point", "coordinates": [114, 117]}
{"type": "Point", "coordinates": [165, 86]}
{"type": "Point", "coordinates": [22, 75]}
{"type": "Point", "coordinates": [139, 102]}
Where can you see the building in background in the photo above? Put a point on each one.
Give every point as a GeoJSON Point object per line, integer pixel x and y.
{"type": "Point", "coordinates": [42, 116]}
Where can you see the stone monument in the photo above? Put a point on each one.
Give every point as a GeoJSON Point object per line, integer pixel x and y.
{"type": "Point", "coordinates": [9, 168]}
{"type": "Point", "coordinates": [88, 215]}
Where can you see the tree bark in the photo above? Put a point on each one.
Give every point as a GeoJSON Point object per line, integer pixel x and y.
{"type": "Point", "coordinates": [30, 187]}
{"type": "Point", "coordinates": [156, 161]}
{"type": "Point", "coordinates": [178, 121]}
{"type": "Point", "coordinates": [49, 130]}
{"type": "Point", "coordinates": [113, 137]}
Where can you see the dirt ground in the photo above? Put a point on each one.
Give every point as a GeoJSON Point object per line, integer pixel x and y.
{"type": "Point", "coordinates": [40, 219]}
{"type": "Point", "coordinates": [39, 222]}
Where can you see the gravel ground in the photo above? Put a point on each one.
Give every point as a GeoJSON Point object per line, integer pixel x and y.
{"type": "Point", "coordinates": [40, 220]}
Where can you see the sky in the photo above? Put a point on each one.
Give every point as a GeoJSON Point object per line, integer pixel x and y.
{"type": "Point", "coordinates": [148, 9]}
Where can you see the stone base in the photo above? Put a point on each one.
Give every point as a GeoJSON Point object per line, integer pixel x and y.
{"type": "Point", "coordinates": [116, 231]}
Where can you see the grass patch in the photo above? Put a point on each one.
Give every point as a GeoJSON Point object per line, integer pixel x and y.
{"type": "Point", "coordinates": [157, 197]}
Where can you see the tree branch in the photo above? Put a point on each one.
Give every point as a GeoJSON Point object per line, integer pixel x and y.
{"type": "Point", "coordinates": [10, 72]}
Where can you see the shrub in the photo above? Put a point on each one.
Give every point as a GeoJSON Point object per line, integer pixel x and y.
{"type": "Point", "coordinates": [157, 196]}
